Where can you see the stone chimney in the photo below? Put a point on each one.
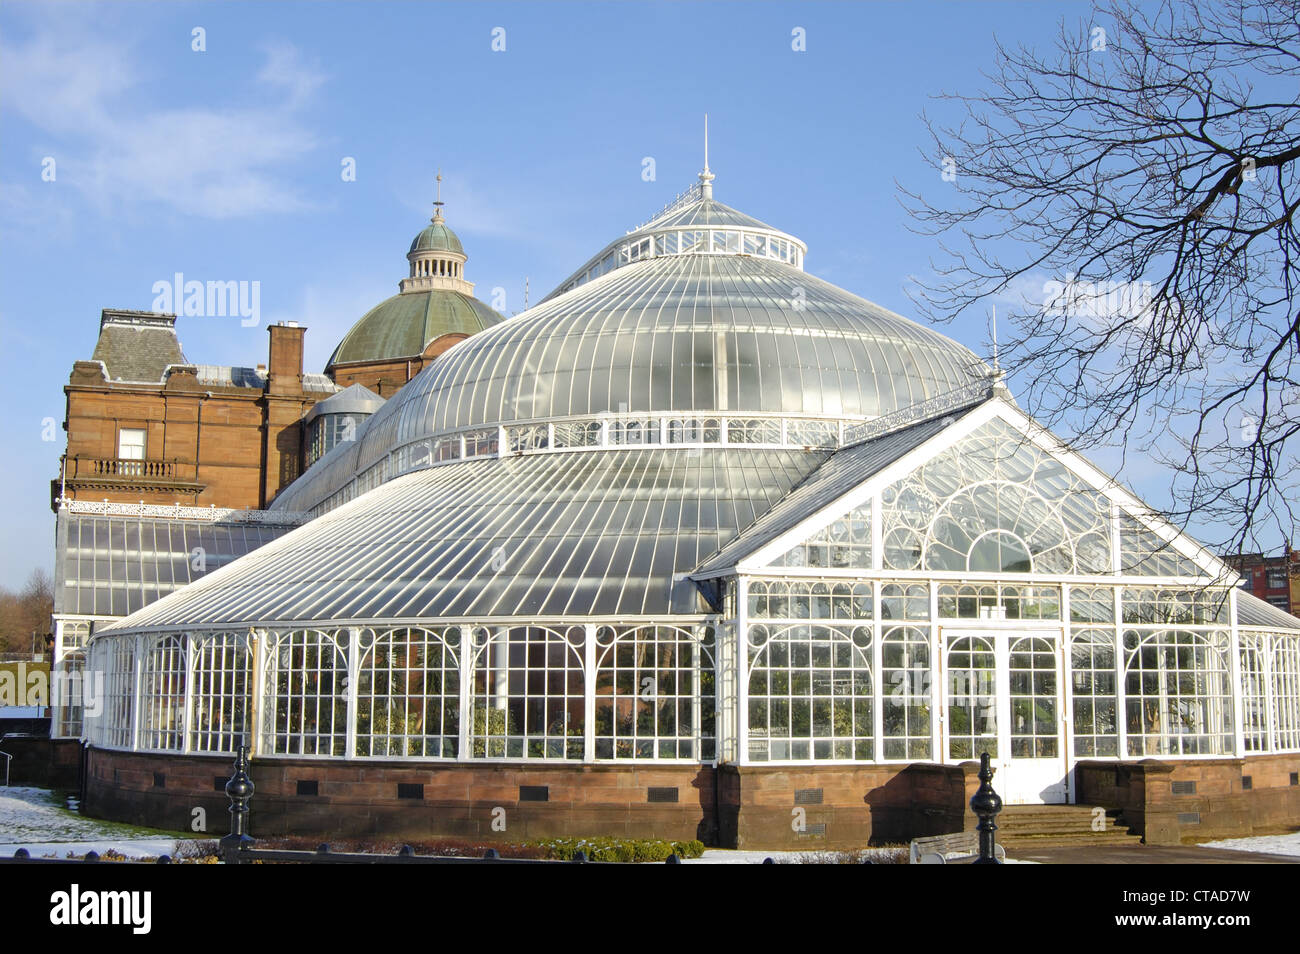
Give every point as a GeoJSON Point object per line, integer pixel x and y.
{"type": "Point", "coordinates": [284, 366]}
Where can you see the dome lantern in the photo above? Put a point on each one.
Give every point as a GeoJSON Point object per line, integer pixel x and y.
{"type": "Point", "coordinates": [436, 256]}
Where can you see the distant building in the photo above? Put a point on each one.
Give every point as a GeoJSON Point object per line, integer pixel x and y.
{"type": "Point", "coordinates": [145, 425]}
{"type": "Point", "coordinates": [171, 463]}
{"type": "Point", "coordinates": [1274, 579]}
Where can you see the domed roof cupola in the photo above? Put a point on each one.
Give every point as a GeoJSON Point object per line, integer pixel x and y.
{"type": "Point", "coordinates": [437, 258]}
{"type": "Point", "coordinates": [435, 307]}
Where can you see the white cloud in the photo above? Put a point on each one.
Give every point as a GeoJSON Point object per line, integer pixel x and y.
{"type": "Point", "coordinates": [88, 97]}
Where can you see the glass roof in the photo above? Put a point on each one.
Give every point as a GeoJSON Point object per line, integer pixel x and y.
{"type": "Point", "coordinates": [681, 334]}
{"type": "Point", "coordinates": [584, 533]}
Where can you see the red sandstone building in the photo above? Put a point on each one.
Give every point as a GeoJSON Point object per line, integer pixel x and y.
{"type": "Point", "coordinates": [171, 462]}
{"type": "Point", "coordinates": [1274, 579]}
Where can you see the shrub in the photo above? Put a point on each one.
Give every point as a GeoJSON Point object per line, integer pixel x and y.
{"type": "Point", "coordinates": [619, 849]}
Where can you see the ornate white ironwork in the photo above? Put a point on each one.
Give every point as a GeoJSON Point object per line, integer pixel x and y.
{"type": "Point", "coordinates": [681, 200]}
{"type": "Point", "coordinates": [939, 404]}
{"type": "Point", "coordinates": [181, 512]}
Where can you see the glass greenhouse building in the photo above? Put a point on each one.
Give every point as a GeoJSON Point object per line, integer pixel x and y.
{"type": "Point", "coordinates": [703, 523]}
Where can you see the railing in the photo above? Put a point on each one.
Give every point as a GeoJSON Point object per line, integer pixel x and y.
{"type": "Point", "coordinates": [127, 469]}
{"type": "Point", "coordinates": [182, 512]}
{"type": "Point", "coordinates": [897, 420]}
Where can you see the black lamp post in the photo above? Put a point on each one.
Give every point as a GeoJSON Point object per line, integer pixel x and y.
{"type": "Point", "coordinates": [239, 790]}
{"type": "Point", "coordinates": [986, 803]}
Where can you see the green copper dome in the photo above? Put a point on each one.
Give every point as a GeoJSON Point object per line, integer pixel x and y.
{"type": "Point", "coordinates": [436, 237]}
{"type": "Point", "coordinates": [404, 325]}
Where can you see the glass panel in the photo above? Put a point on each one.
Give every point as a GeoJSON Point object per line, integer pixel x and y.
{"type": "Point", "coordinates": [408, 694]}
{"type": "Point", "coordinates": [810, 693]}
{"type": "Point", "coordinates": [654, 693]}
{"type": "Point", "coordinates": [906, 682]}
{"type": "Point", "coordinates": [972, 702]}
{"type": "Point", "coordinates": [1033, 698]}
{"type": "Point", "coordinates": [1144, 553]}
{"type": "Point", "coordinates": [845, 542]}
{"type": "Point", "coordinates": [998, 503]}
{"type": "Point", "coordinates": [1178, 698]}
{"type": "Point", "coordinates": [527, 696]}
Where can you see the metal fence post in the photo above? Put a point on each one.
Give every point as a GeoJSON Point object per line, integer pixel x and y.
{"type": "Point", "coordinates": [240, 791]}
{"type": "Point", "coordinates": [986, 803]}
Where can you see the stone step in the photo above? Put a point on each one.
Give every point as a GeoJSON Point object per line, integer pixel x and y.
{"type": "Point", "coordinates": [1054, 825]}
{"type": "Point", "coordinates": [1114, 840]}
{"type": "Point", "coordinates": [1067, 823]}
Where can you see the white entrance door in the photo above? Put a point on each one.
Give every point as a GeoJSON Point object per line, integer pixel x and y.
{"type": "Point", "coordinates": [1003, 696]}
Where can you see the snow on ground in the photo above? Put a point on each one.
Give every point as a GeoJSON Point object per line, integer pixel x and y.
{"type": "Point", "coordinates": [725, 856]}
{"type": "Point", "coordinates": [1270, 844]}
{"type": "Point", "coordinates": [35, 819]}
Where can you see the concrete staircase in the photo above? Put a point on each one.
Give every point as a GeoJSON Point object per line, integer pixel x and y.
{"type": "Point", "coordinates": [1043, 826]}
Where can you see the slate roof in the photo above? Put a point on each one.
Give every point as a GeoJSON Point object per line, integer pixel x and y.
{"type": "Point", "coordinates": [137, 346]}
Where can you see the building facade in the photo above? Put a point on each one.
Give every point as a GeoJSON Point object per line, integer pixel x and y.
{"type": "Point", "coordinates": [703, 545]}
{"type": "Point", "coordinates": [1274, 579]}
{"type": "Point", "coordinates": [170, 464]}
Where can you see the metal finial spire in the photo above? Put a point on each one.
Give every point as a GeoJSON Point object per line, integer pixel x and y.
{"type": "Point", "coordinates": [997, 369]}
{"type": "Point", "coordinates": [706, 177]}
{"type": "Point", "coordinates": [438, 203]}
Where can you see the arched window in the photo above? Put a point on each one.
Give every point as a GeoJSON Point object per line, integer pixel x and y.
{"type": "Point", "coordinates": [162, 694]}
{"type": "Point", "coordinates": [408, 693]}
{"type": "Point", "coordinates": [222, 691]}
{"type": "Point", "coordinates": [1178, 697]}
{"type": "Point", "coordinates": [1092, 681]}
{"type": "Point", "coordinates": [972, 705]}
{"type": "Point", "coordinates": [810, 693]}
{"type": "Point", "coordinates": [306, 693]}
{"type": "Point", "coordinates": [654, 693]}
{"type": "Point", "coordinates": [1286, 690]}
{"type": "Point", "coordinates": [527, 699]}
{"type": "Point", "coordinates": [995, 503]}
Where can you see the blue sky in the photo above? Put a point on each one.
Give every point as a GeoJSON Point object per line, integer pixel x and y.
{"type": "Point", "coordinates": [225, 164]}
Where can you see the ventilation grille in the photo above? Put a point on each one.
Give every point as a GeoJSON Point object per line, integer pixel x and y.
{"type": "Point", "coordinates": [219, 783]}
{"type": "Point", "coordinates": [534, 793]}
{"type": "Point", "coordinates": [818, 829]}
{"type": "Point", "coordinates": [661, 795]}
{"type": "Point", "coordinates": [1247, 783]}
{"type": "Point", "coordinates": [1183, 788]}
{"type": "Point", "coordinates": [1189, 818]}
{"type": "Point", "coordinates": [308, 786]}
{"type": "Point", "coordinates": [159, 780]}
{"type": "Point", "coordinates": [410, 790]}
{"type": "Point", "coordinates": [1295, 778]}
{"type": "Point", "coordinates": [807, 796]}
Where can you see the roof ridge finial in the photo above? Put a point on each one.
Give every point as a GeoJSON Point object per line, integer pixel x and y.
{"type": "Point", "coordinates": [438, 203]}
{"type": "Point", "coordinates": [706, 177]}
{"type": "Point", "coordinates": [997, 368]}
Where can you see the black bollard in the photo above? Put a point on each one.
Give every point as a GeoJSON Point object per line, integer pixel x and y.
{"type": "Point", "coordinates": [240, 791]}
{"type": "Point", "coordinates": [986, 803]}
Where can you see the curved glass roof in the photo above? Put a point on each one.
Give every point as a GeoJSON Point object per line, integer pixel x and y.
{"type": "Point", "coordinates": [404, 325]}
{"type": "Point", "coordinates": [683, 334]}
{"type": "Point", "coordinates": [709, 321]}
{"type": "Point", "coordinates": [586, 533]}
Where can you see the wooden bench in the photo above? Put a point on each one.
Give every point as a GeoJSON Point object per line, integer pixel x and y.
{"type": "Point", "coordinates": [956, 848]}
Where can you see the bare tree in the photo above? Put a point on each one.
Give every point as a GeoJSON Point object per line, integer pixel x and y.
{"type": "Point", "coordinates": [26, 612]}
{"type": "Point", "coordinates": [1128, 200]}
